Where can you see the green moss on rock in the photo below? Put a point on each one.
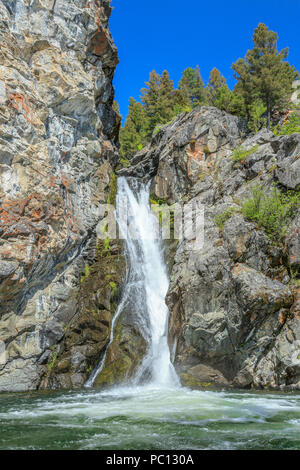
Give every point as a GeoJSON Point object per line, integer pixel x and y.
{"type": "Point", "coordinates": [123, 356]}
{"type": "Point", "coordinates": [188, 380]}
{"type": "Point", "coordinates": [111, 198]}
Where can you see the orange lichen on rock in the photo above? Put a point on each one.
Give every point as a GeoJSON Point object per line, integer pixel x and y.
{"type": "Point", "coordinates": [283, 317]}
{"type": "Point", "coordinates": [195, 153]}
{"type": "Point", "coordinates": [20, 104]}
{"type": "Point", "coordinates": [98, 43]}
{"type": "Point", "coordinates": [67, 182]}
{"type": "Point", "coordinates": [24, 216]}
{"type": "Point", "coordinates": [98, 14]}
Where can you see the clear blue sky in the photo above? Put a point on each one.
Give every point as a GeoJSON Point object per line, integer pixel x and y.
{"type": "Point", "coordinates": [175, 34]}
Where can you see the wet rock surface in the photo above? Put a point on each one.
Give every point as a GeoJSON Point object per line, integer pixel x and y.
{"type": "Point", "coordinates": [78, 347]}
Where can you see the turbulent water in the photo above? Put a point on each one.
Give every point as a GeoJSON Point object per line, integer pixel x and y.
{"type": "Point", "coordinates": [149, 418]}
{"type": "Point", "coordinates": [158, 415]}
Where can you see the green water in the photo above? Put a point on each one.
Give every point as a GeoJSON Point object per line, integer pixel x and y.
{"type": "Point", "coordinates": [149, 418]}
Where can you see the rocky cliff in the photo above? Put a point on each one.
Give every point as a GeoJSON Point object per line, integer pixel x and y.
{"type": "Point", "coordinates": [58, 136]}
{"type": "Point", "coordinates": [235, 301]}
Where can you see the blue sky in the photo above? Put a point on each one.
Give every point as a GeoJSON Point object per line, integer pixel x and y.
{"type": "Point", "coordinates": [175, 34]}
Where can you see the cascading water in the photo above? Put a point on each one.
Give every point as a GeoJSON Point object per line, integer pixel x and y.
{"type": "Point", "coordinates": [161, 415]}
{"type": "Point", "coordinates": [146, 284]}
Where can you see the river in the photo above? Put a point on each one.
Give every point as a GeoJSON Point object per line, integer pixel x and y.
{"type": "Point", "coordinates": [149, 418]}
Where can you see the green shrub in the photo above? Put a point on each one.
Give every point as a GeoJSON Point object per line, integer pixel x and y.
{"type": "Point", "coordinates": [111, 198]}
{"type": "Point", "coordinates": [106, 244]}
{"type": "Point", "coordinates": [240, 153]}
{"type": "Point", "coordinates": [257, 109]}
{"type": "Point", "coordinates": [114, 295]}
{"type": "Point", "coordinates": [206, 150]}
{"type": "Point", "coordinates": [271, 211]}
{"type": "Point", "coordinates": [295, 276]}
{"type": "Point", "coordinates": [52, 362]}
{"type": "Point", "coordinates": [87, 272]}
{"type": "Point", "coordinates": [156, 203]}
{"type": "Point", "coordinates": [153, 199]}
{"type": "Point", "coordinates": [158, 127]}
{"type": "Point", "coordinates": [220, 219]}
{"type": "Point", "coordinates": [292, 126]}
{"type": "Point", "coordinates": [103, 247]}
{"type": "Point", "coordinates": [123, 163]}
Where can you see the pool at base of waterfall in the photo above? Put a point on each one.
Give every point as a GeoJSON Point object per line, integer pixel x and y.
{"type": "Point", "coordinates": [150, 418]}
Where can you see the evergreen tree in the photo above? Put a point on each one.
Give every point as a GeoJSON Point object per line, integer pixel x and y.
{"type": "Point", "coordinates": [159, 99]}
{"type": "Point", "coordinates": [219, 95]}
{"type": "Point", "coordinates": [228, 101]}
{"type": "Point", "coordinates": [257, 111]}
{"type": "Point", "coordinates": [264, 74]}
{"type": "Point", "coordinates": [191, 87]}
{"type": "Point", "coordinates": [244, 87]}
{"type": "Point", "coordinates": [133, 134]}
{"type": "Point", "coordinates": [215, 83]}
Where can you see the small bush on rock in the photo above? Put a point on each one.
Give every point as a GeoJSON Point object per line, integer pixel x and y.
{"type": "Point", "coordinates": [292, 126]}
{"type": "Point", "coordinates": [272, 211]}
{"type": "Point", "coordinates": [240, 153]}
{"type": "Point", "coordinates": [220, 219]}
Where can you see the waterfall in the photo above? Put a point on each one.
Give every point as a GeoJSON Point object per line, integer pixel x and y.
{"type": "Point", "coordinates": [146, 284]}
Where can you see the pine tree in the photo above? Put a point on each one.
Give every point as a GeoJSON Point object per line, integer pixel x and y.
{"type": "Point", "coordinates": [159, 99]}
{"type": "Point", "coordinates": [191, 87]}
{"type": "Point", "coordinates": [215, 83]}
{"type": "Point", "coordinates": [244, 87]}
{"type": "Point", "coordinates": [133, 134]}
{"type": "Point", "coordinates": [257, 120]}
{"type": "Point", "coordinates": [264, 74]}
{"type": "Point", "coordinates": [219, 94]}
{"type": "Point", "coordinates": [228, 101]}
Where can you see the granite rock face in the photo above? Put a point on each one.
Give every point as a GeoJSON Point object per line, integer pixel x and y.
{"type": "Point", "coordinates": [234, 299]}
{"type": "Point", "coordinates": [58, 136]}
